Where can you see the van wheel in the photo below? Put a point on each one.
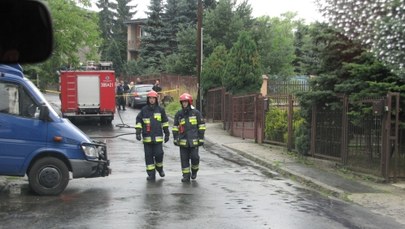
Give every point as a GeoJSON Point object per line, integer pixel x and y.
{"type": "Point", "coordinates": [48, 176]}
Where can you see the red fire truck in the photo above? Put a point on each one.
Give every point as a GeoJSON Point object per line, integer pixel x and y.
{"type": "Point", "coordinates": [88, 93]}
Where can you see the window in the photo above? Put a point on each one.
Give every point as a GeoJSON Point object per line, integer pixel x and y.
{"type": "Point", "coordinates": [16, 101]}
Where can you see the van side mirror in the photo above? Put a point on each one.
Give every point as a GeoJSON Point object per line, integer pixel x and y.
{"type": "Point", "coordinates": [26, 32]}
{"type": "Point", "coordinates": [44, 113]}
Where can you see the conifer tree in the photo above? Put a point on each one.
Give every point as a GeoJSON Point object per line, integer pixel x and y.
{"type": "Point", "coordinates": [154, 43]}
{"type": "Point", "coordinates": [213, 71]}
{"type": "Point", "coordinates": [243, 72]}
{"type": "Point", "coordinates": [377, 24]}
{"type": "Point", "coordinates": [125, 12]}
{"type": "Point", "coordinates": [106, 22]}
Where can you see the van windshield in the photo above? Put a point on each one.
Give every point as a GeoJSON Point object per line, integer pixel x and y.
{"type": "Point", "coordinates": [41, 99]}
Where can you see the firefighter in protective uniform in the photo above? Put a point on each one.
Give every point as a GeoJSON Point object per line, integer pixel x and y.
{"type": "Point", "coordinates": [188, 133]}
{"type": "Point", "coordinates": [152, 123]}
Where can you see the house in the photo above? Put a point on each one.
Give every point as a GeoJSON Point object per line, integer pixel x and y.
{"type": "Point", "coordinates": [135, 34]}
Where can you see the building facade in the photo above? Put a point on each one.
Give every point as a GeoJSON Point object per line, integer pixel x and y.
{"type": "Point", "coordinates": [134, 38]}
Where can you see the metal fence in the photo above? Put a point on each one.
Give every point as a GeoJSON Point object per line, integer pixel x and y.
{"type": "Point", "coordinates": [364, 136]}
{"type": "Point", "coordinates": [238, 113]}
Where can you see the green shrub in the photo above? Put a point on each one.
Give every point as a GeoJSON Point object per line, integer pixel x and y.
{"type": "Point", "coordinates": [172, 108]}
{"type": "Point", "coordinates": [276, 124]}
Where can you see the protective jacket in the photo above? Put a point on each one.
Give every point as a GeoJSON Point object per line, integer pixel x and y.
{"type": "Point", "coordinates": [151, 120]}
{"type": "Point", "coordinates": [188, 128]}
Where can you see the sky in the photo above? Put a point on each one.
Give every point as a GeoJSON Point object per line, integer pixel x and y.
{"type": "Point", "coordinates": [306, 9]}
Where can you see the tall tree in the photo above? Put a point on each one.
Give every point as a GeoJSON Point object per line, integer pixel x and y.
{"type": "Point", "coordinates": [75, 33]}
{"type": "Point", "coordinates": [172, 21]}
{"type": "Point", "coordinates": [188, 12]}
{"type": "Point", "coordinates": [243, 72]}
{"type": "Point", "coordinates": [154, 43]}
{"type": "Point", "coordinates": [183, 61]}
{"type": "Point", "coordinates": [303, 52]}
{"type": "Point", "coordinates": [125, 12]}
{"type": "Point", "coordinates": [275, 41]}
{"type": "Point", "coordinates": [107, 16]}
{"type": "Point", "coordinates": [377, 24]}
{"type": "Point", "coordinates": [209, 4]}
{"type": "Point", "coordinates": [113, 54]}
{"type": "Point", "coordinates": [222, 25]}
{"type": "Point", "coordinates": [213, 71]}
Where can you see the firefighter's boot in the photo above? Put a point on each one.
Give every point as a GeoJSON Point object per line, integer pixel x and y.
{"type": "Point", "coordinates": [151, 175]}
{"type": "Point", "coordinates": [160, 171]}
{"type": "Point", "coordinates": [193, 174]}
{"type": "Point", "coordinates": [186, 177]}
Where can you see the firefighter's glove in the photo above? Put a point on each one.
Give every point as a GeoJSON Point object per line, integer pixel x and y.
{"type": "Point", "coordinates": [167, 138]}
{"type": "Point", "coordinates": [138, 137]}
{"type": "Point", "coordinates": [200, 143]}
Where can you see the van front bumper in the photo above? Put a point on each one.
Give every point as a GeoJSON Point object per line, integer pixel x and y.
{"type": "Point", "coordinates": [88, 169]}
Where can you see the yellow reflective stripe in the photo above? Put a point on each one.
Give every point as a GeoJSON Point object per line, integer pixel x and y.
{"type": "Point", "coordinates": [147, 139]}
{"type": "Point", "coordinates": [150, 167]}
{"type": "Point", "coordinates": [159, 139]}
{"type": "Point", "coordinates": [183, 142]}
{"type": "Point", "coordinates": [186, 170]}
{"type": "Point", "coordinates": [195, 167]}
{"type": "Point", "coordinates": [201, 140]}
{"type": "Point", "coordinates": [165, 124]}
{"type": "Point", "coordinates": [160, 165]}
{"type": "Point", "coordinates": [195, 141]}
{"type": "Point", "coordinates": [182, 121]}
{"type": "Point", "coordinates": [138, 125]}
{"type": "Point", "coordinates": [193, 120]}
{"type": "Point", "coordinates": [146, 120]}
{"type": "Point", "coordinates": [157, 116]}
{"type": "Point", "coordinates": [175, 129]}
{"type": "Point", "coordinates": [201, 127]}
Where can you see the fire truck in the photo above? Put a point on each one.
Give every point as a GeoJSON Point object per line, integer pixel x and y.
{"type": "Point", "coordinates": [88, 92]}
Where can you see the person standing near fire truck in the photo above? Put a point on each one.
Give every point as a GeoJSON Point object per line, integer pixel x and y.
{"type": "Point", "coordinates": [120, 95]}
{"type": "Point", "coordinates": [152, 123]}
{"type": "Point", "coordinates": [188, 133]}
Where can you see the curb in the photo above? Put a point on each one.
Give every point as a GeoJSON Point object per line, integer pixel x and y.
{"type": "Point", "coordinates": [285, 172]}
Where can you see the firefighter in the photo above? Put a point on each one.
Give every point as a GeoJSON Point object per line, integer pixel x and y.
{"type": "Point", "coordinates": [188, 133]}
{"type": "Point", "coordinates": [152, 123]}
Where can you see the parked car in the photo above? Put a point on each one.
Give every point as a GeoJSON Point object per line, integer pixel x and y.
{"type": "Point", "coordinates": [137, 95]}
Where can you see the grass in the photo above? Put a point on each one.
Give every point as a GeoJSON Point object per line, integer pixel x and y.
{"type": "Point", "coordinates": [172, 108]}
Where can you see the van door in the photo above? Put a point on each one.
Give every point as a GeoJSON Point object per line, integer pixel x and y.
{"type": "Point", "coordinates": [21, 131]}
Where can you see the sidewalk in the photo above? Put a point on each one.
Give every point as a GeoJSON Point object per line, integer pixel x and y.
{"type": "Point", "coordinates": [320, 175]}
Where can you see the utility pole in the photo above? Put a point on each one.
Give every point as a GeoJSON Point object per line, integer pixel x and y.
{"type": "Point", "coordinates": [199, 54]}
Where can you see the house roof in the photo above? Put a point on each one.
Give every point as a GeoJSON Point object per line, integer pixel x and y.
{"type": "Point", "coordinates": [136, 21]}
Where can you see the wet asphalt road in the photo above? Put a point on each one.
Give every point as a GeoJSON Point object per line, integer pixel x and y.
{"type": "Point", "coordinates": [230, 192]}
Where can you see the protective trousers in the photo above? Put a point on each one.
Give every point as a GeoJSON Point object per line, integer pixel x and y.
{"type": "Point", "coordinates": [153, 158]}
{"type": "Point", "coordinates": [188, 154]}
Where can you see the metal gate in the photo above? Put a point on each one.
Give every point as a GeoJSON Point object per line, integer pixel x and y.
{"type": "Point", "coordinates": [369, 141]}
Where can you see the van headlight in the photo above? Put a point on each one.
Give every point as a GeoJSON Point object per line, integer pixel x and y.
{"type": "Point", "coordinates": [91, 151]}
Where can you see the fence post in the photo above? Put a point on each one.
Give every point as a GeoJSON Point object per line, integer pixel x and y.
{"type": "Point", "coordinates": [290, 122]}
{"type": "Point", "coordinates": [223, 104]}
{"type": "Point", "coordinates": [385, 159]}
{"type": "Point", "coordinates": [313, 130]}
{"type": "Point", "coordinates": [344, 134]}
